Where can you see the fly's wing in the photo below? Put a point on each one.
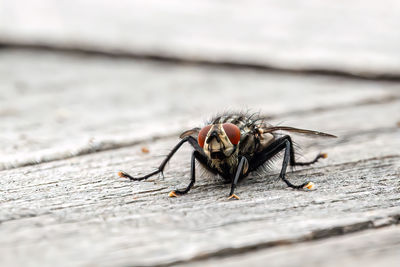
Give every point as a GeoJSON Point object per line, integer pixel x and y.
{"type": "Point", "coordinates": [270, 129]}
{"type": "Point", "coordinates": [194, 131]}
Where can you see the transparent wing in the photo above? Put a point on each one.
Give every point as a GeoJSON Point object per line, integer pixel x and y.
{"type": "Point", "coordinates": [270, 129]}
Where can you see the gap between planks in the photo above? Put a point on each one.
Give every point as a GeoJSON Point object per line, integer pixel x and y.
{"type": "Point", "coordinates": [316, 235]}
{"type": "Point", "coordinates": [120, 53]}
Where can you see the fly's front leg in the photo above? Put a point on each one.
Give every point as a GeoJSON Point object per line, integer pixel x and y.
{"type": "Point", "coordinates": [160, 169]}
{"type": "Point", "coordinates": [243, 165]}
{"type": "Point", "coordinates": [195, 155]}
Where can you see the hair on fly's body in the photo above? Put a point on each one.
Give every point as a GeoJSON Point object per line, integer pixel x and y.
{"type": "Point", "coordinates": [232, 145]}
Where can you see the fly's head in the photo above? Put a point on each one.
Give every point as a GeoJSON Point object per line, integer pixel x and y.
{"type": "Point", "coordinates": [219, 141]}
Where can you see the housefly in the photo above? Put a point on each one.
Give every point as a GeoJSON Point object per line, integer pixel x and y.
{"type": "Point", "coordinates": [233, 145]}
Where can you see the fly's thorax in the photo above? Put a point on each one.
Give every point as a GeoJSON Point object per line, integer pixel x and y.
{"type": "Point", "coordinates": [265, 140]}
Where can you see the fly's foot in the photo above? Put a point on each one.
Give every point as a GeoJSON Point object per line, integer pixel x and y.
{"type": "Point", "coordinates": [122, 174]}
{"type": "Point", "coordinates": [233, 196]}
{"type": "Point", "coordinates": [172, 194]}
{"type": "Point", "coordinates": [309, 186]}
{"type": "Point", "coordinates": [125, 175]}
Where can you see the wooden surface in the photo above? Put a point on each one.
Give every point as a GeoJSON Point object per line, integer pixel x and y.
{"type": "Point", "coordinates": [69, 121]}
{"type": "Point", "coordinates": [370, 248]}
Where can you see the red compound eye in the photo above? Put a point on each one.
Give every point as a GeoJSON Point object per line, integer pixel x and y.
{"type": "Point", "coordinates": [202, 135]}
{"type": "Point", "coordinates": [233, 132]}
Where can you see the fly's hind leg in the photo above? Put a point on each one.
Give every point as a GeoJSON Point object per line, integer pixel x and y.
{"type": "Point", "coordinates": [160, 169]}
{"type": "Point", "coordinates": [296, 163]}
{"type": "Point", "coordinates": [293, 161]}
{"type": "Point", "coordinates": [283, 143]}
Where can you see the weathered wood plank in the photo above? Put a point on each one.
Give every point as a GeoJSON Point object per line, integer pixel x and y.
{"type": "Point", "coordinates": [54, 105]}
{"type": "Point", "coordinates": [78, 212]}
{"type": "Point", "coordinates": [357, 37]}
{"type": "Point", "coordinates": [371, 248]}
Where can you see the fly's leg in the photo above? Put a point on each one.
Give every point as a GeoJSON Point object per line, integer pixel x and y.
{"type": "Point", "coordinates": [127, 175]}
{"type": "Point", "coordinates": [293, 161]}
{"type": "Point", "coordinates": [243, 163]}
{"type": "Point", "coordinates": [319, 156]}
{"type": "Point", "coordinates": [283, 143]}
{"type": "Point", "coordinates": [288, 146]}
{"type": "Point", "coordinates": [195, 155]}
{"type": "Point", "coordinates": [160, 169]}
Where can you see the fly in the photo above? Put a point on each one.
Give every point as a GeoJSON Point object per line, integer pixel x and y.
{"type": "Point", "coordinates": [233, 145]}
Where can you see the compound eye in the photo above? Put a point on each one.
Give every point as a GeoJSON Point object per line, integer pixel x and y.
{"type": "Point", "coordinates": [202, 135]}
{"type": "Point", "coordinates": [233, 132]}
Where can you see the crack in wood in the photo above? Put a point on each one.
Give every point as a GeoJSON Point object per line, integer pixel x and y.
{"type": "Point", "coordinates": [25, 216]}
{"type": "Point", "coordinates": [85, 150]}
{"type": "Point", "coordinates": [365, 102]}
{"type": "Point", "coordinates": [315, 235]}
{"type": "Point", "coordinates": [389, 77]}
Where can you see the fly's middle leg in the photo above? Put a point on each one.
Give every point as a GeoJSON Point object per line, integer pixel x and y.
{"type": "Point", "coordinates": [288, 156]}
{"type": "Point", "coordinates": [283, 143]}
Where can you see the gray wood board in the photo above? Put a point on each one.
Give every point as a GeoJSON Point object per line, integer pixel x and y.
{"type": "Point", "coordinates": [54, 106]}
{"type": "Point", "coordinates": [78, 212]}
{"type": "Point", "coordinates": [370, 248]}
{"type": "Point", "coordinates": [357, 37]}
